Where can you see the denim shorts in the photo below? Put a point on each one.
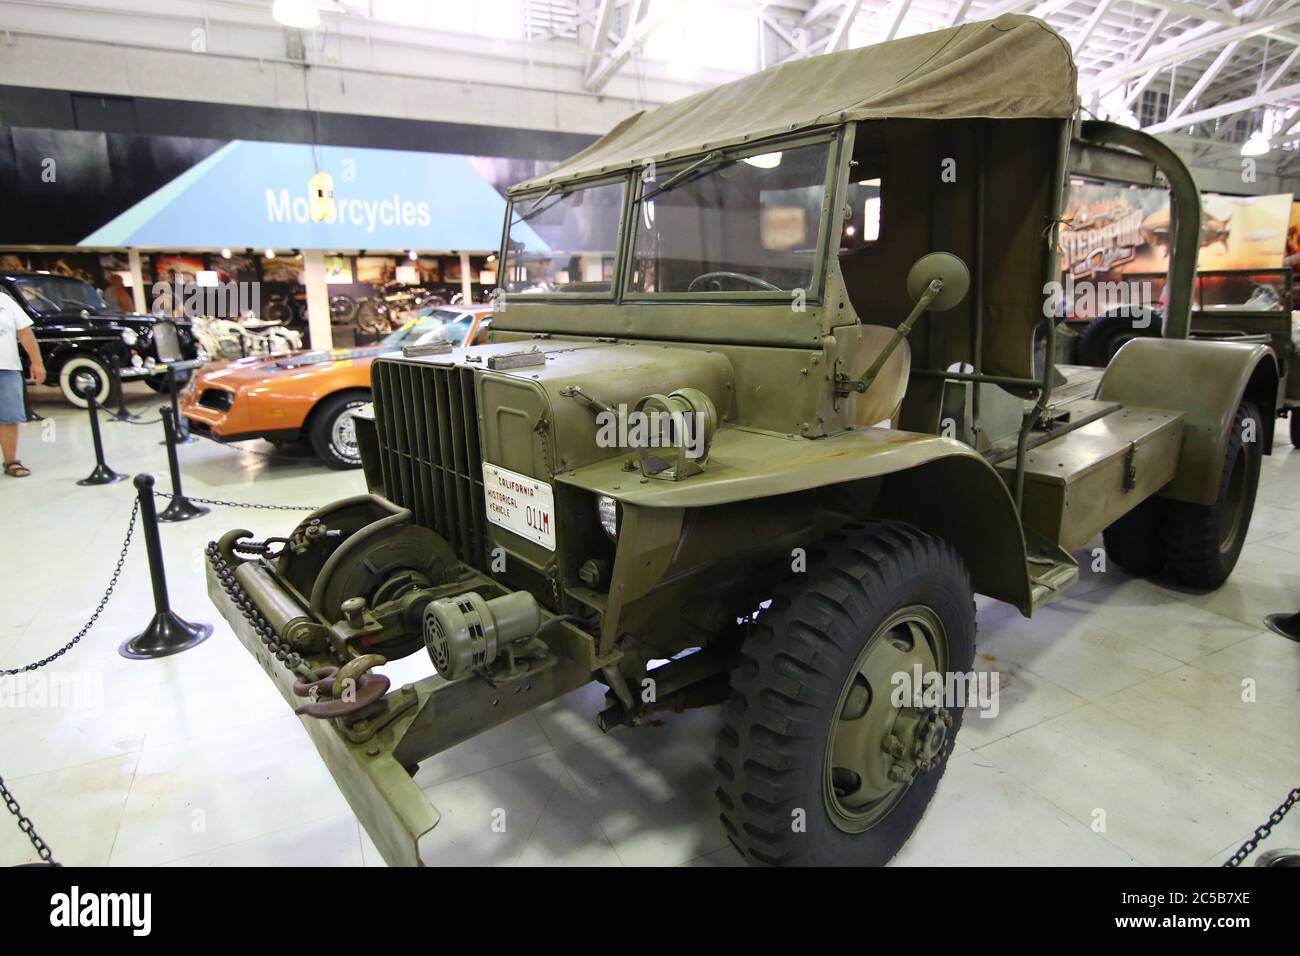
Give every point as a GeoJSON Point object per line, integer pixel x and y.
{"type": "Point", "coordinates": [12, 410]}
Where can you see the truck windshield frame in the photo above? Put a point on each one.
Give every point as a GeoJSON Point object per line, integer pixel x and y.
{"type": "Point", "coordinates": [636, 182]}
{"type": "Point", "coordinates": [529, 211]}
{"type": "Point", "coordinates": [728, 159]}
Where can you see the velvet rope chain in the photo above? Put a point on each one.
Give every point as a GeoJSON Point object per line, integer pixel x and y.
{"type": "Point", "coordinates": [26, 825]}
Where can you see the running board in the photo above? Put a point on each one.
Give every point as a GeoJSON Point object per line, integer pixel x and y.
{"type": "Point", "coordinates": [1051, 580]}
{"type": "Point", "coordinates": [1052, 569]}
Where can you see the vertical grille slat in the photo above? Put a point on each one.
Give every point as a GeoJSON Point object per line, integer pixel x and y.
{"type": "Point", "coordinates": [430, 454]}
{"type": "Point", "coordinates": [428, 391]}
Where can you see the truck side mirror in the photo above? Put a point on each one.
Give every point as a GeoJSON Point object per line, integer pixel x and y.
{"type": "Point", "coordinates": [949, 270]}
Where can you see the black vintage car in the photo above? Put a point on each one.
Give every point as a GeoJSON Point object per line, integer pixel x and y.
{"type": "Point", "coordinates": [82, 337]}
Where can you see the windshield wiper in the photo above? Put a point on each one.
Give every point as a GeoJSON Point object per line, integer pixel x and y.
{"type": "Point", "coordinates": [704, 164]}
{"type": "Point", "coordinates": [536, 209]}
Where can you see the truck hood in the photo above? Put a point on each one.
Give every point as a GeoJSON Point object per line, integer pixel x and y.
{"type": "Point", "coordinates": [559, 386]}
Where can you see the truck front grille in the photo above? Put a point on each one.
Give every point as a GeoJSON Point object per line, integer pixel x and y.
{"type": "Point", "coordinates": [426, 421]}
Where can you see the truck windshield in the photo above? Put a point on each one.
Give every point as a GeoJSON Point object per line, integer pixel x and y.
{"type": "Point", "coordinates": [748, 224]}
{"type": "Point", "coordinates": [564, 242]}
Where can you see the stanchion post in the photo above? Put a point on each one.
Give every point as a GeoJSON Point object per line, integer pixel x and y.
{"type": "Point", "coordinates": [183, 436]}
{"type": "Point", "coordinates": [123, 414]}
{"type": "Point", "coordinates": [1288, 625]}
{"type": "Point", "coordinates": [102, 475]}
{"type": "Point", "coordinates": [180, 508]}
{"type": "Point", "coordinates": [168, 633]}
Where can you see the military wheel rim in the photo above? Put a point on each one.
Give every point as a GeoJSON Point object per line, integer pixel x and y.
{"type": "Point", "coordinates": [1235, 510]}
{"type": "Point", "coordinates": [875, 749]}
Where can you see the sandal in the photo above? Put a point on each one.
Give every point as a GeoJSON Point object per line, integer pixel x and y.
{"type": "Point", "coordinates": [16, 469]}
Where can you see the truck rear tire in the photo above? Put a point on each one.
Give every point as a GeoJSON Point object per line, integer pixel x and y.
{"type": "Point", "coordinates": [1202, 543]}
{"type": "Point", "coordinates": [803, 774]}
{"type": "Point", "coordinates": [1104, 335]}
{"type": "Point", "coordinates": [1133, 542]}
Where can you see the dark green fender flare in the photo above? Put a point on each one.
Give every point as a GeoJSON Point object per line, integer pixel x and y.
{"type": "Point", "coordinates": [937, 484]}
{"type": "Point", "coordinates": [1206, 381]}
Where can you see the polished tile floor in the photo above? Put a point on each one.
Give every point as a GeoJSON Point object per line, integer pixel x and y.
{"type": "Point", "coordinates": [1122, 736]}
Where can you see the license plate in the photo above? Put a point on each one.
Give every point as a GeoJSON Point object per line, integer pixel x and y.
{"type": "Point", "coordinates": [520, 504]}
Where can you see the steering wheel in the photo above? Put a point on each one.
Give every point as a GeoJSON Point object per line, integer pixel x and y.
{"type": "Point", "coordinates": [755, 281]}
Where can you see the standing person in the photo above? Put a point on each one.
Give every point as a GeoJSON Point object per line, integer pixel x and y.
{"type": "Point", "coordinates": [15, 328]}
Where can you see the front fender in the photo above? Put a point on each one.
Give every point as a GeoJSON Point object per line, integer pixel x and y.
{"type": "Point", "coordinates": [1206, 381]}
{"type": "Point", "coordinates": [936, 484]}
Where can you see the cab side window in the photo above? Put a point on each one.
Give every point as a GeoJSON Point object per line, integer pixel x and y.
{"type": "Point", "coordinates": [863, 201]}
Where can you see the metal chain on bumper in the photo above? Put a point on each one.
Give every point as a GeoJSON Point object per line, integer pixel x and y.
{"type": "Point", "coordinates": [282, 652]}
{"type": "Point", "coordinates": [99, 608]}
{"type": "Point", "coordinates": [26, 825]}
{"type": "Point", "coordinates": [1262, 832]}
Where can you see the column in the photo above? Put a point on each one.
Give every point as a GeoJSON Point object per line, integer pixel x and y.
{"type": "Point", "coordinates": [137, 280]}
{"type": "Point", "coordinates": [320, 334]}
{"type": "Point", "coordinates": [466, 281]}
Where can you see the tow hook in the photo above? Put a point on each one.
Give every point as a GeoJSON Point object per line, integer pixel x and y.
{"type": "Point", "coordinates": [352, 688]}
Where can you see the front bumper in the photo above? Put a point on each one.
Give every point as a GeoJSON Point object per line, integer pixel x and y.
{"type": "Point", "coordinates": [373, 760]}
{"type": "Point", "coordinates": [393, 809]}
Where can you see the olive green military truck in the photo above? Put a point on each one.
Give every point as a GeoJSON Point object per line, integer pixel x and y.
{"type": "Point", "coordinates": [758, 417]}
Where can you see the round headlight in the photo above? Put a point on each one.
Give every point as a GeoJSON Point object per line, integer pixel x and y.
{"type": "Point", "coordinates": [129, 336]}
{"type": "Point", "coordinates": [607, 510]}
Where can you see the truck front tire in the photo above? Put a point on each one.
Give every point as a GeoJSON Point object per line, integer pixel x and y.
{"type": "Point", "coordinates": [1202, 543]}
{"type": "Point", "coordinates": [819, 763]}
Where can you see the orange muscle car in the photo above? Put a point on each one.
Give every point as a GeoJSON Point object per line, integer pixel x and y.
{"type": "Point", "coordinates": [309, 394]}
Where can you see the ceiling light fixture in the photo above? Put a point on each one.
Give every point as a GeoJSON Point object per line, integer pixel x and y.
{"type": "Point", "coordinates": [1256, 145]}
{"type": "Point", "coordinates": [296, 13]}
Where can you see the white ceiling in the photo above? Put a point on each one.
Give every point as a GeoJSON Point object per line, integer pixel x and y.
{"type": "Point", "coordinates": [1203, 73]}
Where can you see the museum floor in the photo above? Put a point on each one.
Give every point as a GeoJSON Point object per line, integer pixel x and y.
{"type": "Point", "coordinates": [1124, 697]}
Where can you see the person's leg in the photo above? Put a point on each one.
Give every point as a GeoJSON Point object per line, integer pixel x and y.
{"type": "Point", "coordinates": [11, 412]}
{"type": "Point", "coordinates": [9, 442]}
